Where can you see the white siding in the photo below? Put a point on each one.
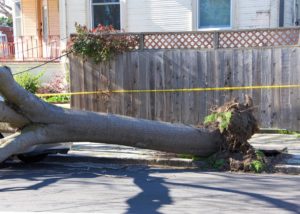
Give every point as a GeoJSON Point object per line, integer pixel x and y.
{"type": "Point", "coordinates": [29, 17]}
{"type": "Point", "coordinates": [256, 14]}
{"type": "Point", "coordinates": [70, 12]}
{"type": "Point", "coordinates": [175, 15]}
{"type": "Point", "coordinates": [157, 15]}
{"type": "Point", "coordinates": [53, 17]}
{"type": "Point", "coordinates": [76, 12]}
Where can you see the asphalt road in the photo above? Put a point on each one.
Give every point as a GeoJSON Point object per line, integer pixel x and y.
{"type": "Point", "coordinates": [104, 188]}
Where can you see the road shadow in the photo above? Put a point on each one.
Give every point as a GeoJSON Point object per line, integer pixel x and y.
{"type": "Point", "coordinates": [152, 196]}
{"type": "Point", "coordinates": [154, 189]}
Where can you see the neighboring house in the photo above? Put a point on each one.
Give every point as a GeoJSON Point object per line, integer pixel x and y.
{"type": "Point", "coordinates": [46, 23]}
{"type": "Point", "coordinates": [6, 32]}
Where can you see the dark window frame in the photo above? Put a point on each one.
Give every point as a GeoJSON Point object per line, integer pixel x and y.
{"type": "Point", "coordinates": [214, 27]}
{"type": "Point", "coordinates": [104, 3]}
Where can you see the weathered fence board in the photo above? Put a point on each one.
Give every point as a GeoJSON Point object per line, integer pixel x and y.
{"type": "Point", "coordinates": [174, 69]}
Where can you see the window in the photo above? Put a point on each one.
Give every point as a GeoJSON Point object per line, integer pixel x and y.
{"type": "Point", "coordinates": [18, 24]}
{"type": "Point", "coordinates": [214, 13]}
{"type": "Point", "coordinates": [106, 12]}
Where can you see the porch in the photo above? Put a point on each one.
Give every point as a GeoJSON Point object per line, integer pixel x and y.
{"type": "Point", "coordinates": [36, 32]}
{"type": "Point", "coordinates": [30, 48]}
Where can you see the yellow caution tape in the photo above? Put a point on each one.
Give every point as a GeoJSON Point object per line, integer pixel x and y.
{"type": "Point", "coordinates": [171, 90]}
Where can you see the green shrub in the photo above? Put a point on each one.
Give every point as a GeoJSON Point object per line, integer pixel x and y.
{"type": "Point", "coordinates": [100, 44]}
{"type": "Point", "coordinates": [6, 21]}
{"type": "Point", "coordinates": [29, 81]}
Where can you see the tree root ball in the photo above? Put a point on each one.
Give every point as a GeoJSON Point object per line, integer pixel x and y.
{"type": "Point", "coordinates": [235, 150]}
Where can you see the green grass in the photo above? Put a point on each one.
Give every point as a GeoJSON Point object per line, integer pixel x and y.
{"type": "Point", "coordinates": [58, 99]}
{"type": "Point", "coordinates": [288, 132]}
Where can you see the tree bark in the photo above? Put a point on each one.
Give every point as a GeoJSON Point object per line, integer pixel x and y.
{"type": "Point", "coordinates": [39, 122]}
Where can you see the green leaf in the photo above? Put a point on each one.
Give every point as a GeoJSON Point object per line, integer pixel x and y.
{"type": "Point", "coordinates": [257, 166]}
{"type": "Point", "coordinates": [210, 118]}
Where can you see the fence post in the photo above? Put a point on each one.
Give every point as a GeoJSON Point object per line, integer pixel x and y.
{"type": "Point", "coordinates": [141, 41]}
{"type": "Point", "coordinates": [216, 40]}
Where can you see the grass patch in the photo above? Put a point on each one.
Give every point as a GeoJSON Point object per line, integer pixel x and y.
{"type": "Point", "coordinates": [58, 99]}
{"type": "Point", "coordinates": [288, 132]}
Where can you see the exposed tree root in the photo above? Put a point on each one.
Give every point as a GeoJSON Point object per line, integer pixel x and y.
{"type": "Point", "coordinates": [235, 150]}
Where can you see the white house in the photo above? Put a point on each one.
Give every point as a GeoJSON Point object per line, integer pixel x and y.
{"type": "Point", "coordinates": [178, 15]}
{"type": "Point", "coordinates": [54, 20]}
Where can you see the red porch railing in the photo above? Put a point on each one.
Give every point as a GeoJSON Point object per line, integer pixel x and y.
{"type": "Point", "coordinates": [29, 48]}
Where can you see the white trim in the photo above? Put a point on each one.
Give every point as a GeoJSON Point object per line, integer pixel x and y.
{"type": "Point", "coordinates": [214, 28]}
{"type": "Point", "coordinates": [19, 17]}
{"type": "Point", "coordinates": [123, 15]}
{"type": "Point", "coordinates": [90, 12]}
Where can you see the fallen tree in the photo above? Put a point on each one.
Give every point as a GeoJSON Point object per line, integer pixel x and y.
{"type": "Point", "coordinates": [34, 121]}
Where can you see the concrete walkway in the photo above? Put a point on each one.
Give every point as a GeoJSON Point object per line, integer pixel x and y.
{"type": "Point", "coordinates": [277, 141]}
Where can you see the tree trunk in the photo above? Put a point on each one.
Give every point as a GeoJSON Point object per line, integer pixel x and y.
{"type": "Point", "coordinates": [38, 122]}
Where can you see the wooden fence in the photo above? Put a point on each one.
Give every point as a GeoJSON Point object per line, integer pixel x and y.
{"type": "Point", "coordinates": [175, 69]}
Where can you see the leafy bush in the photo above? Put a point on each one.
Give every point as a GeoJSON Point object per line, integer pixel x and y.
{"type": "Point", "coordinates": [57, 85]}
{"type": "Point", "coordinates": [6, 21]}
{"type": "Point", "coordinates": [29, 81]}
{"type": "Point", "coordinates": [101, 43]}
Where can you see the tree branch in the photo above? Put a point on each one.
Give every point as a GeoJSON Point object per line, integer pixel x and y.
{"type": "Point", "coordinates": [46, 123]}
{"type": "Point", "coordinates": [33, 108]}
{"type": "Point", "coordinates": [7, 128]}
{"type": "Point", "coordinates": [10, 116]}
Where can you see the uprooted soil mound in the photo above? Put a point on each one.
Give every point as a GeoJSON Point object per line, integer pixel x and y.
{"type": "Point", "coordinates": [236, 153]}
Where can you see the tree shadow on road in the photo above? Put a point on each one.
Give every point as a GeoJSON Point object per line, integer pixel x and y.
{"type": "Point", "coordinates": [153, 193]}
{"type": "Point", "coordinates": [155, 190]}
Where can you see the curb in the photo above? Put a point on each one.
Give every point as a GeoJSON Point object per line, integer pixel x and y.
{"type": "Point", "coordinates": [288, 169]}
{"type": "Point", "coordinates": [285, 167]}
{"type": "Point", "coordinates": [159, 162]}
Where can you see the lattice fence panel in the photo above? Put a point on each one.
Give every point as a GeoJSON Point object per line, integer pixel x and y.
{"type": "Point", "coordinates": [258, 38]}
{"type": "Point", "coordinates": [135, 38]}
{"type": "Point", "coordinates": [189, 40]}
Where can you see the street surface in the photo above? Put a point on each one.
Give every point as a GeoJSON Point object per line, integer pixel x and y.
{"type": "Point", "coordinates": [107, 188]}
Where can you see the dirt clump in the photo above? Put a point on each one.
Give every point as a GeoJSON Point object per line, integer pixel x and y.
{"type": "Point", "coordinates": [235, 152]}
